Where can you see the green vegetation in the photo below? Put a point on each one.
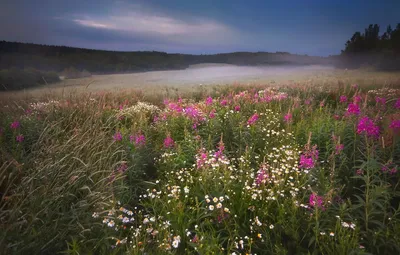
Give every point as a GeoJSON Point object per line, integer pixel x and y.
{"type": "Point", "coordinates": [285, 169]}
{"type": "Point", "coordinates": [13, 79]}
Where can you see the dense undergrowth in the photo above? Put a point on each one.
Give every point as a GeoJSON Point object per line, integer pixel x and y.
{"type": "Point", "coordinates": [237, 170]}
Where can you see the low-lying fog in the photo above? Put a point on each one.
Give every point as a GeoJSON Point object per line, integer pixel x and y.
{"type": "Point", "coordinates": [203, 74]}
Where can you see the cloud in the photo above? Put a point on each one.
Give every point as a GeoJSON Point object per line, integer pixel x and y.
{"type": "Point", "coordinates": [144, 23]}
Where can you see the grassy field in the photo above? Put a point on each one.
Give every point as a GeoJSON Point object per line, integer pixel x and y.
{"type": "Point", "coordinates": [297, 165]}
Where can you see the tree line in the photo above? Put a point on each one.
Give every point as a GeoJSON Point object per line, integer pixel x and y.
{"type": "Point", "coordinates": [373, 48]}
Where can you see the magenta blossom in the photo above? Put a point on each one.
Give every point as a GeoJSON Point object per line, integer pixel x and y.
{"type": "Point", "coordinates": [117, 136]}
{"type": "Point", "coordinates": [237, 108]}
{"type": "Point", "coordinates": [169, 142]}
{"type": "Point", "coordinates": [15, 125]}
{"type": "Point", "coordinates": [139, 139]}
{"type": "Point", "coordinates": [353, 109]}
{"type": "Point", "coordinates": [368, 127]}
{"type": "Point", "coordinates": [357, 99]}
{"type": "Point", "coordinates": [209, 101]}
{"type": "Point", "coordinates": [19, 138]}
{"type": "Point", "coordinates": [288, 117]}
{"type": "Point", "coordinates": [343, 99]}
{"type": "Point", "coordinates": [224, 102]}
{"type": "Point", "coordinates": [316, 201]}
{"type": "Point", "coordinates": [201, 159]}
{"type": "Point", "coordinates": [306, 162]}
{"type": "Point", "coordinates": [339, 148]}
{"type": "Point", "coordinates": [212, 114]}
{"type": "Point", "coordinates": [252, 119]}
{"type": "Point", "coordinates": [395, 124]}
{"type": "Point", "coordinates": [397, 104]}
{"type": "Point", "coordinates": [380, 100]}
{"type": "Point", "coordinates": [360, 172]}
{"type": "Point", "coordinates": [122, 168]}
{"type": "Point", "coordinates": [262, 175]}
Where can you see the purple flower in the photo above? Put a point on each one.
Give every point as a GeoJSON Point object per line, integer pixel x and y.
{"type": "Point", "coordinates": [212, 114]}
{"type": "Point", "coordinates": [201, 159]}
{"type": "Point", "coordinates": [288, 117]}
{"type": "Point", "coordinates": [368, 127]}
{"type": "Point", "coordinates": [360, 172]}
{"type": "Point", "coordinates": [357, 99]}
{"type": "Point", "coordinates": [306, 162]}
{"type": "Point", "coordinates": [397, 104]}
{"type": "Point", "coordinates": [343, 99]}
{"type": "Point", "coordinates": [380, 100]}
{"type": "Point", "coordinates": [252, 119]}
{"type": "Point", "coordinates": [339, 148]}
{"type": "Point", "coordinates": [353, 109]}
{"type": "Point", "coordinates": [395, 124]}
{"type": "Point", "coordinates": [169, 142]}
{"type": "Point", "coordinates": [237, 108]}
{"type": "Point", "coordinates": [224, 102]}
{"type": "Point", "coordinates": [209, 101]}
{"type": "Point", "coordinates": [138, 139]}
{"type": "Point", "coordinates": [262, 175]}
{"type": "Point", "coordinates": [117, 136]}
{"type": "Point", "coordinates": [15, 125]}
{"type": "Point", "coordinates": [19, 138]}
{"type": "Point", "coordinates": [316, 201]}
{"type": "Point", "coordinates": [122, 168]}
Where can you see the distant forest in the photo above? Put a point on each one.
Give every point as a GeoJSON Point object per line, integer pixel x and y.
{"type": "Point", "coordinates": [373, 49]}
{"type": "Point", "coordinates": [59, 58]}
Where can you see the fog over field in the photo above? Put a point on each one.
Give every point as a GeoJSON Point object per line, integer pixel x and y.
{"type": "Point", "coordinates": [203, 74]}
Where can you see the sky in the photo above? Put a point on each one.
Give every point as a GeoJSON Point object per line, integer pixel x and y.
{"type": "Point", "coordinates": [313, 27]}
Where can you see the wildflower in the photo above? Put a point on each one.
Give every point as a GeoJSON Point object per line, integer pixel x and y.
{"type": "Point", "coordinates": [359, 172]}
{"type": "Point", "coordinates": [212, 114]}
{"type": "Point", "coordinates": [177, 240]}
{"type": "Point", "coordinates": [259, 235]}
{"type": "Point", "coordinates": [215, 199]}
{"type": "Point", "coordinates": [15, 125]}
{"type": "Point", "coordinates": [138, 140]}
{"type": "Point", "coordinates": [288, 117]}
{"type": "Point", "coordinates": [339, 148]}
{"type": "Point", "coordinates": [111, 224]}
{"type": "Point", "coordinates": [368, 127]}
{"type": "Point", "coordinates": [219, 205]}
{"type": "Point", "coordinates": [262, 175]}
{"type": "Point", "coordinates": [397, 104]}
{"type": "Point", "coordinates": [316, 201]}
{"type": "Point", "coordinates": [343, 99]}
{"type": "Point", "coordinates": [271, 226]}
{"type": "Point", "coordinates": [209, 101]}
{"type": "Point", "coordinates": [237, 108]}
{"type": "Point", "coordinates": [95, 215]}
{"type": "Point", "coordinates": [306, 162]}
{"type": "Point", "coordinates": [353, 109]}
{"type": "Point", "coordinates": [224, 102]}
{"type": "Point", "coordinates": [357, 99]}
{"type": "Point", "coordinates": [380, 100]}
{"type": "Point", "coordinates": [117, 136]}
{"type": "Point", "coordinates": [221, 199]}
{"type": "Point", "coordinates": [169, 142]}
{"type": "Point", "coordinates": [395, 124]}
{"type": "Point", "coordinates": [332, 234]}
{"type": "Point", "coordinates": [252, 119]}
{"type": "Point", "coordinates": [19, 138]}
{"type": "Point", "coordinates": [307, 101]}
{"type": "Point", "coordinates": [211, 207]}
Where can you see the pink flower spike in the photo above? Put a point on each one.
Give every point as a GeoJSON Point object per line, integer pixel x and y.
{"type": "Point", "coordinates": [368, 127]}
{"type": "Point", "coordinates": [209, 101]}
{"type": "Point", "coordinates": [19, 138]}
{"type": "Point", "coordinates": [117, 136]}
{"type": "Point", "coordinates": [288, 117]}
{"type": "Point", "coordinates": [353, 109]}
{"type": "Point", "coordinates": [252, 119]}
{"type": "Point", "coordinates": [169, 142]}
{"type": "Point", "coordinates": [15, 125]}
{"type": "Point", "coordinates": [343, 99]}
{"type": "Point", "coordinates": [397, 104]}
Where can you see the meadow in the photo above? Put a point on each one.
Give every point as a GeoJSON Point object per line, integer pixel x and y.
{"type": "Point", "coordinates": [307, 166]}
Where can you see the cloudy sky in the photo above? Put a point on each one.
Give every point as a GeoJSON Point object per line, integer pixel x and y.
{"type": "Point", "coordinates": [314, 27]}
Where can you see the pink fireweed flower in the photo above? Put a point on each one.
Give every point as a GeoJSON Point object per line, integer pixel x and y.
{"type": "Point", "coordinates": [368, 127]}
{"type": "Point", "coordinates": [138, 140]}
{"type": "Point", "coordinates": [380, 100]}
{"type": "Point", "coordinates": [262, 175]}
{"type": "Point", "coordinates": [360, 172]}
{"type": "Point", "coordinates": [288, 117]}
{"type": "Point", "coordinates": [15, 125]}
{"type": "Point", "coordinates": [224, 102]}
{"type": "Point", "coordinates": [307, 101]}
{"type": "Point", "coordinates": [353, 109]}
{"type": "Point", "coordinates": [336, 117]}
{"type": "Point", "coordinates": [220, 153]}
{"type": "Point", "coordinates": [117, 136]}
{"type": "Point", "coordinates": [169, 142]}
{"type": "Point", "coordinates": [209, 101]}
{"type": "Point", "coordinates": [339, 148]}
{"type": "Point", "coordinates": [252, 119]}
{"type": "Point", "coordinates": [122, 168]}
{"type": "Point", "coordinates": [316, 201]}
{"type": "Point", "coordinates": [212, 114]}
{"type": "Point", "coordinates": [357, 99]}
{"type": "Point", "coordinates": [201, 159]}
{"type": "Point", "coordinates": [19, 138]}
{"type": "Point", "coordinates": [343, 99]}
{"type": "Point", "coordinates": [308, 158]}
{"type": "Point", "coordinates": [237, 108]}
{"type": "Point", "coordinates": [397, 104]}
{"type": "Point", "coordinates": [395, 124]}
